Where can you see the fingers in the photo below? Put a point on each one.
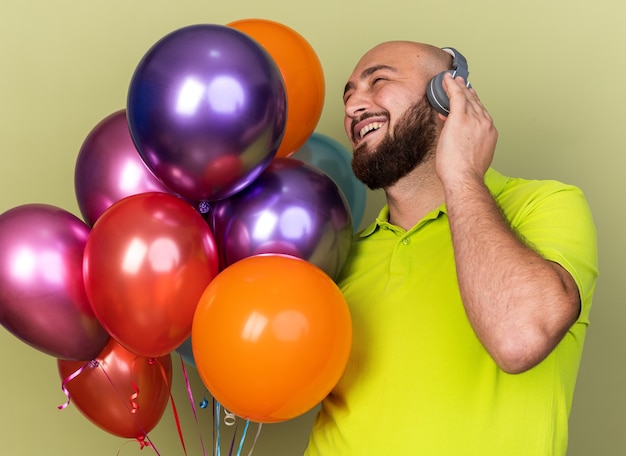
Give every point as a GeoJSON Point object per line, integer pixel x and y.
{"type": "Point", "coordinates": [462, 98]}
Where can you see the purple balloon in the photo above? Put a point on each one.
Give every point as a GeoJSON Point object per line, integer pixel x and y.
{"type": "Point", "coordinates": [207, 110]}
{"type": "Point", "coordinates": [292, 208]}
{"type": "Point", "coordinates": [335, 159]}
{"type": "Point", "coordinates": [42, 295]}
{"type": "Point", "coordinates": [109, 168]}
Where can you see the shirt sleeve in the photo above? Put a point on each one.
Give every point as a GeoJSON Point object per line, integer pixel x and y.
{"type": "Point", "coordinates": [555, 220]}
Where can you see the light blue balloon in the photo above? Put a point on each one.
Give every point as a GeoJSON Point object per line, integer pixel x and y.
{"type": "Point", "coordinates": [185, 350]}
{"type": "Point", "coordinates": [334, 159]}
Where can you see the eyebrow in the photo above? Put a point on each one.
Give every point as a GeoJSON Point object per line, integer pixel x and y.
{"type": "Point", "coordinates": [368, 72]}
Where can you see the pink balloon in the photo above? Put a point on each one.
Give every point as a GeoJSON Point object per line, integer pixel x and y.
{"type": "Point", "coordinates": [109, 168]}
{"type": "Point", "coordinates": [42, 295]}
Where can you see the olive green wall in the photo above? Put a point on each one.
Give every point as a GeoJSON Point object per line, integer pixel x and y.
{"type": "Point", "coordinates": [551, 72]}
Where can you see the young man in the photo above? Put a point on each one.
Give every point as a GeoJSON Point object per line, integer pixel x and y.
{"type": "Point", "coordinates": [470, 293]}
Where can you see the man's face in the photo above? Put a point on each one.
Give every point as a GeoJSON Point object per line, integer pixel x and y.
{"type": "Point", "coordinates": [398, 152]}
{"type": "Point", "coordinates": [387, 117]}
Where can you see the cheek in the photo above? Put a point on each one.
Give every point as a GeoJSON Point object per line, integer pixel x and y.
{"type": "Point", "coordinates": [347, 125]}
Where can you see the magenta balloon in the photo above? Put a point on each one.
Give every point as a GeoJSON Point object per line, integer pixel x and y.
{"type": "Point", "coordinates": [207, 110]}
{"type": "Point", "coordinates": [109, 168]}
{"type": "Point", "coordinates": [292, 208]}
{"type": "Point", "coordinates": [42, 295]}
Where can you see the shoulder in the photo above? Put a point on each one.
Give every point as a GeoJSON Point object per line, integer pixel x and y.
{"type": "Point", "coordinates": [522, 198]}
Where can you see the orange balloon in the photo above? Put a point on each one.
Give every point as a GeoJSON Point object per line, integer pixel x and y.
{"type": "Point", "coordinates": [302, 73]}
{"type": "Point", "coordinates": [271, 337]}
{"type": "Point", "coordinates": [108, 392]}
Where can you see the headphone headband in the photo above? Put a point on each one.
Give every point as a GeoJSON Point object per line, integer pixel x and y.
{"type": "Point", "coordinates": [459, 63]}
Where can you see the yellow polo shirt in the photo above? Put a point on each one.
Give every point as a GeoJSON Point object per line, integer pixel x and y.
{"type": "Point", "coordinates": [418, 381]}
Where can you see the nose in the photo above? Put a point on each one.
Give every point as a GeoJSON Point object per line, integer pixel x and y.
{"type": "Point", "coordinates": [356, 104]}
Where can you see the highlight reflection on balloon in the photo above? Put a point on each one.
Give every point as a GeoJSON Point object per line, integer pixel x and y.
{"type": "Point", "coordinates": [207, 110]}
{"type": "Point", "coordinates": [335, 159]}
{"type": "Point", "coordinates": [291, 208]}
{"type": "Point", "coordinates": [42, 295]}
{"type": "Point", "coordinates": [109, 168]}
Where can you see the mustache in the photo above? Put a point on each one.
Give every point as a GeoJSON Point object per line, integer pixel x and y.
{"type": "Point", "coordinates": [364, 116]}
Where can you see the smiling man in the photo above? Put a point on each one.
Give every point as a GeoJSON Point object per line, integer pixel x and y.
{"type": "Point", "coordinates": [470, 292]}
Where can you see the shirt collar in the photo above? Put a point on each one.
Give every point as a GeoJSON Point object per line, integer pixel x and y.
{"type": "Point", "coordinates": [493, 180]}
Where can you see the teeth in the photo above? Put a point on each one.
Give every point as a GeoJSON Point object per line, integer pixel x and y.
{"type": "Point", "coordinates": [369, 127]}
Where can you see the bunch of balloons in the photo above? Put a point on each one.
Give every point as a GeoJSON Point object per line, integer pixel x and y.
{"type": "Point", "coordinates": [211, 209]}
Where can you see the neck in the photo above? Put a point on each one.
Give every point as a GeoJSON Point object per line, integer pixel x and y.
{"type": "Point", "coordinates": [414, 196]}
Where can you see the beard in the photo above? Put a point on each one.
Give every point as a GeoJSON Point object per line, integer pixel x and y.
{"type": "Point", "coordinates": [400, 151]}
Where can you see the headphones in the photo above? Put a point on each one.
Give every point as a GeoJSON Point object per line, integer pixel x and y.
{"type": "Point", "coordinates": [435, 93]}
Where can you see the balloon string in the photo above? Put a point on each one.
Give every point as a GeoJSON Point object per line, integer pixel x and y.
{"type": "Point", "coordinates": [174, 410]}
{"type": "Point", "coordinates": [232, 442]}
{"type": "Point", "coordinates": [217, 426]}
{"type": "Point", "coordinates": [204, 404]}
{"type": "Point", "coordinates": [214, 427]}
{"type": "Point", "coordinates": [230, 419]}
{"type": "Point", "coordinates": [71, 377]}
{"type": "Point", "coordinates": [243, 437]}
{"type": "Point", "coordinates": [142, 438]}
{"type": "Point", "coordinates": [256, 437]}
{"type": "Point", "coordinates": [193, 405]}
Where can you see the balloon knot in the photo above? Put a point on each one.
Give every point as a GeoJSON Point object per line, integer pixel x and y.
{"type": "Point", "coordinates": [93, 363]}
{"type": "Point", "coordinates": [204, 207]}
{"type": "Point", "coordinates": [143, 443]}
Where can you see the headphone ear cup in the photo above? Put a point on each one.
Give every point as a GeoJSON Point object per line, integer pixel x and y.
{"type": "Point", "coordinates": [437, 95]}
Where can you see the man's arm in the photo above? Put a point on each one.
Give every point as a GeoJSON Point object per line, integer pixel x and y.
{"type": "Point", "coordinates": [519, 304]}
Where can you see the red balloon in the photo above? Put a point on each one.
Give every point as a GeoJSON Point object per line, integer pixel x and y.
{"type": "Point", "coordinates": [122, 393]}
{"type": "Point", "coordinates": [271, 337]}
{"type": "Point", "coordinates": [147, 261]}
{"type": "Point", "coordinates": [302, 72]}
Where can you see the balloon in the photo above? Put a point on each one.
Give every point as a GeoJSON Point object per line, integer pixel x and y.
{"type": "Point", "coordinates": [303, 75]}
{"type": "Point", "coordinates": [185, 350]}
{"type": "Point", "coordinates": [335, 160]}
{"type": "Point", "coordinates": [271, 337]}
{"type": "Point", "coordinates": [206, 109]}
{"type": "Point", "coordinates": [147, 260]}
{"type": "Point", "coordinates": [42, 296]}
{"type": "Point", "coordinates": [291, 208]}
{"type": "Point", "coordinates": [122, 393]}
{"type": "Point", "coordinates": [109, 168]}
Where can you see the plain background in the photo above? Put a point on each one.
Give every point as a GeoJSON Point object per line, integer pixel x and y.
{"type": "Point", "coordinates": [550, 72]}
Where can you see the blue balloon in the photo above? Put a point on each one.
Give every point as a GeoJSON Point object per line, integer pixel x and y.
{"type": "Point", "coordinates": [334, 159]}
{"type": "Point", "coordinates": [185, 351]}
{"type": "Point", "coordinates": [207, 110]}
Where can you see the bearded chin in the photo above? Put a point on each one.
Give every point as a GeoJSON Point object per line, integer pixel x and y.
{"type": "Point", "coordinates": [400, 152]}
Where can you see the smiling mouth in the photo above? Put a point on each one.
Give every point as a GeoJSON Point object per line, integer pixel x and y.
{"type": "Point", "coordinates": [370, 128]}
